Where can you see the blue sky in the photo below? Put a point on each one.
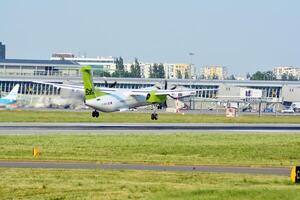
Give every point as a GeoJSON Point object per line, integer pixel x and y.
{"type": "Point", "coordinates": [245, 36]}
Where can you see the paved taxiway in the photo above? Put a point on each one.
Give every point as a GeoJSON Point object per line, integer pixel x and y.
{"type": "Point", "coordinates": [25, 128]}
{"type": "Point", "coordinates": [74, 165]}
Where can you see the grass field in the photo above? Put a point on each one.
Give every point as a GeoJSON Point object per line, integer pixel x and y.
{"type": "Point", "coordinates": [194, 148]}
{"type": "Point", "coordinates": [107, 184]}
{"type": "Point", "coordinates": [188, 148]}
{"type": "Point", "coordinates": [133, 117]}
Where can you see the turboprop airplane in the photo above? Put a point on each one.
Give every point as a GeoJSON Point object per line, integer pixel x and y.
{"type": "Point", "coordinates": [11, 98]}
{"type": "Point", "coordinates": [115, 99]}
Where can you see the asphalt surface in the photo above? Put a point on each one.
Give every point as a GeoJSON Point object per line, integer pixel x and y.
{"type": "Point", "coordinates": [73, 165]}
{"type": "Point", "coordinates": [25, 128]}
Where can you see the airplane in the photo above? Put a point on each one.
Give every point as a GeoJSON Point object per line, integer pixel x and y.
{"type": "Point", "coordinates": [11, 98]}
{"type": "Point", "coordinates": [110, 99]}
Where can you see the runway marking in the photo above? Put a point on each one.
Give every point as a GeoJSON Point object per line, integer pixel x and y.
{"type": "Point", "coordinates": [44, 127]}
{"type": "Point", "coordinates": [189, 168]}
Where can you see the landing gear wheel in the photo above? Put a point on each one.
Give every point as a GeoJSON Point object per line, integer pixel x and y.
{"type": "Point", "coordinates": [154, 116]}
{"type": "Point", "coordinates": [95, 114]}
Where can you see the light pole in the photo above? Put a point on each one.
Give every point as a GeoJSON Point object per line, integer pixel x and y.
{"type": "Point", "coordinates": [191, 54]}
{"type": "Point", "coordinates": [192, 73]}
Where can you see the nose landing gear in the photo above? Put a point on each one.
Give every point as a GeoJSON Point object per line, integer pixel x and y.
{"type": "Point", "coordinates": [95, 113]}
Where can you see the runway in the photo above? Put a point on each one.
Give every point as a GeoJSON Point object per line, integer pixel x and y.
{"type": "Point", "coordinates": [74, 165]}
{"type": "Point", "coordinates": [25, 128]}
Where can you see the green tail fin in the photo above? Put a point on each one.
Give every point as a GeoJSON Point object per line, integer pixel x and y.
{"type": "Point", "coordinates": [89, 89]}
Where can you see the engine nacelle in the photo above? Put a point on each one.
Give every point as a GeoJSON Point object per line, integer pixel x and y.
{"type": "Point", "coordinates": [153, 98]}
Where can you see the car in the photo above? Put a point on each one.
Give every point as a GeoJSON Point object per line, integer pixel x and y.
{"type": "Point", "coordinates": [296, 106]}
{"type": "Point", "coordinates": [289, 110]}
{"type": "Point", "coordinates": [269, 110]}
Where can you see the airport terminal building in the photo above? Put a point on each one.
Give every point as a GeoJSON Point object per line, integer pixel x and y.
{"type": "Point", "coordinates": [28, 73]}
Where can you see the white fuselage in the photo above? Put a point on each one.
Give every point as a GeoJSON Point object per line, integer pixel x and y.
{"type": "Point", "coordinates": [116, 101]}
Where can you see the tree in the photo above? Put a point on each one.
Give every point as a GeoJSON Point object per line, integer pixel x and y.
{"type": "Point", "coordinates": [135, 69]}
{"type": "Point", "coordinates": [132, 70]}
{"type": "Point", "coordinates": [157, 71]}
{"type": "Point", "coordinates": [284, 77]}
{"type": "Point", "coordinates": [268, 75]}
{"type": "Point", "coordinates": [127, 74]}
{"type": "Point", "coordinates": [178, 74]}
{"type": "Point", "coordinates": [186, 75]}
{"type": "Point", "coordinates": [153, 70]}
{"type": "Point", "coordinates": [257, 76]}
{"type": "Point", "coordinates": [120, 64]}
{"type": "Point", "coordinates": [120, 70]}
{"type": "Point", "coordinates": [231, 77]}
{"type": "Point", "coordinates": [248, 76]}
{"type": "Point", "coordinates": [291, 77]}
{"type": "Point", "coordinates": [215, 77]}
{"type": "Point", "coordinates": [201, 76]}
{"type": "Point", "coordinates": [161, 71]}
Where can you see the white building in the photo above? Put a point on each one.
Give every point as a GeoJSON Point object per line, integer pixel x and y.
{"type": "Point", "coordinates": [108, 64]}
{"type": "Point", "coordinates": [279, 71]}
{"type": "Point", "coordinates": [214, 72]}
{"type": "Point", "coordinates": [145, 68]}
{"type": "Point", "coordinates": [100, 63]}
{"type": "Point", "coordinates": [172, 70]}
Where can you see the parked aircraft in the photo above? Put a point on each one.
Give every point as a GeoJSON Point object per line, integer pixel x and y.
{"type": "Point", "coordinates": [11, 98]}
{"type": "Point", "coordinates": [110, 99]}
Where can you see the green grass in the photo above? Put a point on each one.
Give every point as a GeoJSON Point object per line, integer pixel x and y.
{"type": "Point", "coordinates": [108, 184]}
{"type": "Point", "coordinates": [133, 117]}
{"type": "Point", "coordinates": [195, 148]}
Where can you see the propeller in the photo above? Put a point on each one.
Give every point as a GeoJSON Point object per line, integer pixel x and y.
{"type": "Point", "coordinates": [165, 86]}
{"type": "Point", "coordinates": [106, 84]}
{"type": "Point", "coordinates": [173, 88]}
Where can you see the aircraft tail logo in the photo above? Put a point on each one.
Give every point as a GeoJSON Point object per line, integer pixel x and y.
{"type": "Point", "coordinates": [89, 89]}
{"type": "Point", "coordinates": [13, 93]}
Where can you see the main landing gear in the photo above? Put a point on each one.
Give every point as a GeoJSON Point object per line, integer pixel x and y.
{"type": "Point", "coordinates": [95, 113]}
{"type": "Point", "coordinates": [154, 116]}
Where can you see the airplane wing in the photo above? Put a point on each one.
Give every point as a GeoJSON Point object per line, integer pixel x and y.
{"type": "Point", "coordinates": [75, 87]}
{"type": "Point", "coordinates": [177, 93]}
{"type": "Point", "coordinates": [172, 93]}
{"type": "Point", "coordinates": [63, 86]}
